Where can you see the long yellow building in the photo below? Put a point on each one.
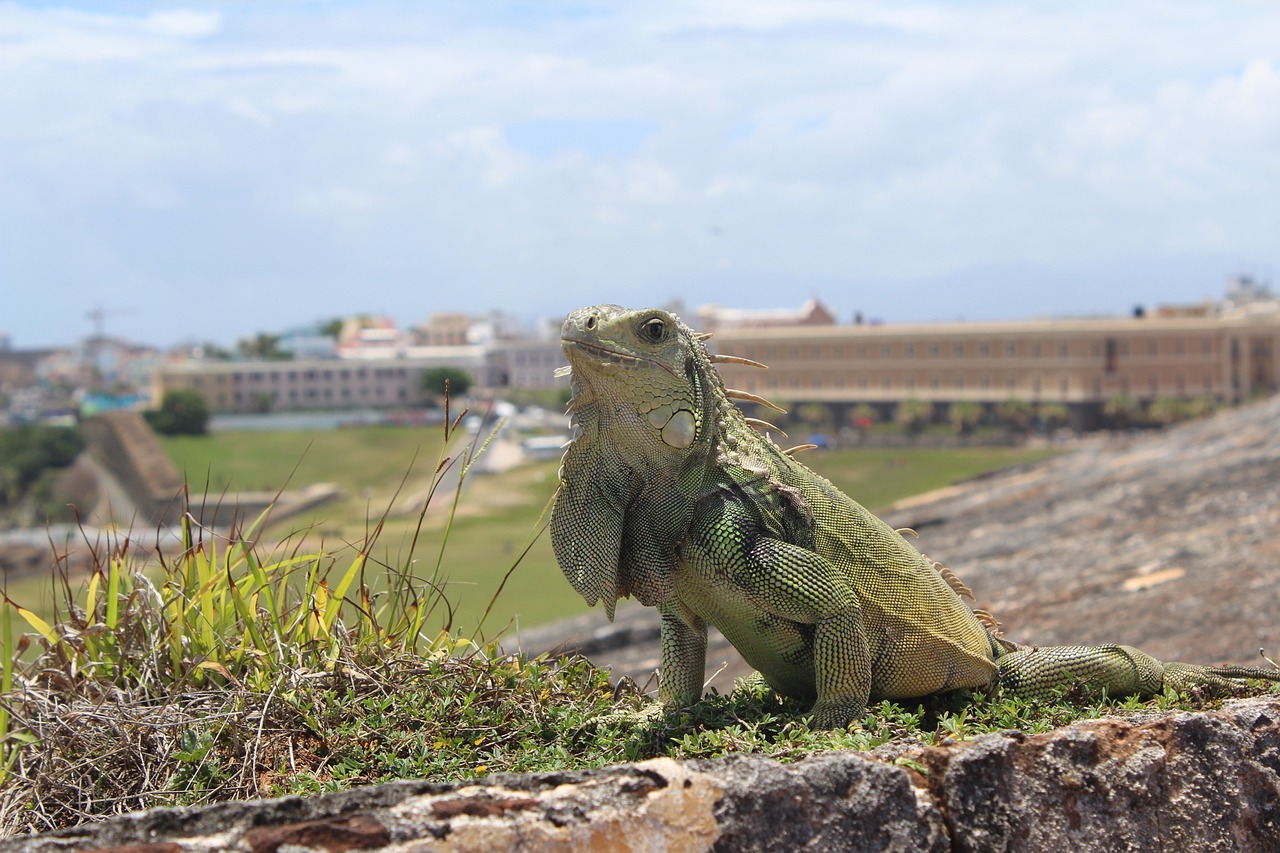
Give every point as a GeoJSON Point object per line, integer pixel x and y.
{"type": "Point", "coordinates": [1079, 362]}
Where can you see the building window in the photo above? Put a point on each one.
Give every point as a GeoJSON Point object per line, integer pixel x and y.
{"type": "Point", "coordinates": [884, 350]}
{"type": "Point", "coordinates": [1010, 348]}
{"type": "Point", "coordinates": [959, 349]}
{"type": "Point", "coordinates": [1062, 349]}
{"type": "Point", "coordinates": [1035, 349]}
{"type": "Point", "coordinates": [933, 349]}
{"type": "Point", "coordinates": [909, 350]}
{"type": "Point", "coordinates": [984, 349]}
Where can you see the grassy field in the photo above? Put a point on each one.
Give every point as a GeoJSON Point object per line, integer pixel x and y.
{"type": "Point", "coordinates": [497, 513]}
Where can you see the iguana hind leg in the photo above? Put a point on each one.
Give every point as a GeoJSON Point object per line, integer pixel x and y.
{"type": "Point", "coordinates": [1120, 670]}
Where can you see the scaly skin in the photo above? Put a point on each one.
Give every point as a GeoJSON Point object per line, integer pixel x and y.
{"type": "Point", "coordinates": [670, 496]}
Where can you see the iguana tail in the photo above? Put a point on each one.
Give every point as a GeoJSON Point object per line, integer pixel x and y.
{"type": "Point", "coordinates": [1037, 672]}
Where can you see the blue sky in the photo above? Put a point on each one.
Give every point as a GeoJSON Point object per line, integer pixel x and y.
{"type": "Point", "coordinates": [208, 171]}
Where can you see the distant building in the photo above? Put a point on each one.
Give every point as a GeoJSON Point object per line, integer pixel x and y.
{"type": "Point", "coordinates": [1228, 354]}
{"type": "Point", "coordinates": [307, 342]}
{"type": "Point", "coordinates": [713, 318]}
{"type": "Point", "coordinates": [446, 330]}
{"type": "Point", "coordinates": [316, 384]}
{"type": "Point", "coordinates": [527, 363]}
{"type": "Point", "coordinates": [1227, 351]}
{"type": "Point", "coordinates": [100, 363]}
{"type": "Point", "coordinates": [371, 337]}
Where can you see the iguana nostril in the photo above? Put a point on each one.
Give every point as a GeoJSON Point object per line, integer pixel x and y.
{"type": "Point", "coordinates": [591, 322]}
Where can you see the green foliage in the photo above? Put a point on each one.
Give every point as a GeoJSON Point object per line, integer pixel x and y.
{"type": "Point", "coordinates": [264, 347]}
{"type": "Point", "coordinates": [332, 328]}
{"type": "Point", "coordinates": [1165, 411]}
{"type": "Point", "coordinates": [965, 415]}
{"type": "Point", "coordinates": [1122, 411]}
{"type": "Point", "coordinates": [1016, 414]}
{"type": "Point", "coordinates": [1053, 415]}
{"type": "Point", "coordinates": [28, 452]}
{"type": "Point", "coordinates": [181, 412]}
{"type": "Point", "coordinates": [913, 414]}
{"type": "Point", "coordinates": [864, 415]}
{"type": "Point", "coordinates": [816, 416]}
{"type": "Point", "coordinates": [1202, 406]}
{"type": "Point", "coordinates": [451, 380]}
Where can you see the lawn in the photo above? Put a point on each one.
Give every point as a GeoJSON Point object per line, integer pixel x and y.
{"type": "Point", "coordinates": [497, 513]}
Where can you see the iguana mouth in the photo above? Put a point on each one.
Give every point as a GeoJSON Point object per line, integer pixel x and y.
{"type": "Point", "coordinates": [617, 357]}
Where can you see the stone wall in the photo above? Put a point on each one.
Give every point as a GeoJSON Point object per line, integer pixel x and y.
{"type": "Point", "coordinates": [1203, 781]}
{"type": "Point", "coordinates": [126, 446]}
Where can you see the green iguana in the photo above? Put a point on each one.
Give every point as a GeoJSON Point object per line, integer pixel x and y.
{"type": "Point", "coordinates": [669, 494]}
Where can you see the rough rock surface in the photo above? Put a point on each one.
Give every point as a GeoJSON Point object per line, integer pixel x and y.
{"type": "Point", "coordinates": [1166, 541]}
{"type": "Point", "coordinates": [1181, 781]}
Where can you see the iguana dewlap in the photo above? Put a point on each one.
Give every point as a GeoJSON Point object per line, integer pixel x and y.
{"type": "Point", "coordinates": [668, 494]}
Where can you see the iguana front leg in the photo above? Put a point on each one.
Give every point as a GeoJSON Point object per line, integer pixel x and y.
{"type": "Point", "coordinates": [790, 612]}
{"type": "Point", "coordinates": [684, 657]}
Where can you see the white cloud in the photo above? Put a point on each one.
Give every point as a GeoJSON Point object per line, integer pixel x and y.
{"type": "Point", "coordinates": [183, 23]}
{"type": "Point", "coordinates": [349, 153]}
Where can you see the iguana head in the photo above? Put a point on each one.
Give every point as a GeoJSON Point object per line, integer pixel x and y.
{"type": "Point", "coordinates": [640, 370]}
{"type": "Point", "coordinates": [645, 402]}
{"type": "Point", "coordinates": [654, 421]}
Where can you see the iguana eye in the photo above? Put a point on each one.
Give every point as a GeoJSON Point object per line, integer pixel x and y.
{"type": "Point", "coordinates": [654, 330]}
